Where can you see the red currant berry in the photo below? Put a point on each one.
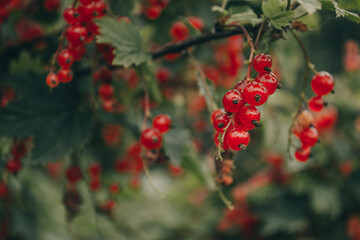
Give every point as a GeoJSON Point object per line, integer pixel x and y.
{"type": "Point", "coordinates": [255, 94]}
{"type": "Point", "coordinates": [95, 185]}
{"type": "Point", "coordinates": [13, 165]}
{"type": "Point", "coordinates": [110, 205]}
{"type": "Point", "coordinates": [233, 101]}
{"type": "Point", "coordinates": [87, 11]}
{"type": "Point", "coordinates": [121, 165]}
{"type": "Point", "coordinates": [52, 80]}
{"type": "Point", "coordinates": [94, 170]}
{"type": "Point", "coordinates": [248, 115]}
{"type": "Point", "coordinates": [65, 58]}
{"type": "Point", "coordinates": [302, 154]}
{"type": "Point", "coordinates": [269, 80]}
{"type": "Point", "coordinates": [238, 139]}
{"type": "Point", "coordinates": [215, 113]}
{"type": "Point", "coordinates": [51, 5]}
{"type": "Point", "coordinates": [85, 2]}
{"type": "Point", "coordinates": [114, 188]}
{"type": "Point", "coordinates": [179, 31]}
{"type": "Point", "coordinates": [106, 91]}
{"type": "Point", "coordinates": [240, 86]}
{"type": "Point", "coordinates": [316, 103]}
{"type": "Point", "coordinates": [65, 75]}
{"type": "Point", "coordinates": [76, 34]}
{"type": "Point", "coordinates": [18, 150]}
{"type": "Point", "coordinates": [221, 121]}
{"type": "Point", "coordinates": [73, 174]}
{"type": "Point", "coordinates": [309, 136]}
{"type": "Point", "coordinates": [262, 63]}
{"type": "Point", "coordinates": [153, 12]}
{"type": "Point", "coordinates": [162, 122]}
{"type": "Point", "coordinates": [100, 8]}
{"type": "Point", "coordinates": [4, 190]}
{"type": "Point", "coordinates": [196, 22]}
{"type": "Point", "coordinates": [103, 74]}
{"type": "Point", "coordinates": [163, 75]}
{"type": "Point", "coordinates": [77, 51]}
{"type": "Point", "coordinates": [71, 15]}
{"type": "Point", "coordinates": [322, 83]}
{"type": "Point", "coordinates": [151, 138]}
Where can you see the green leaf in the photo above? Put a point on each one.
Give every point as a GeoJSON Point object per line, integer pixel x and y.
{"type": "Point", "coordinates": [57, 121]}
{"type": "Point", "coordinates": [333, 6]}
{"type": "Point", "coordinates": [126, 40]}
{"type": "Point", "coordinates": [174, 144]}
{"type": "Point", "coordinates": [282, 20]}
{"type": "Point", "coordinates": [151, 83]}
{"type": "Point", "coordinates": [25, 64]}
{"type": "Point", "coordinates": [219, 10]}
{"type": "Point", "coordinates": [325, 200]}
{"type": "Point", "coordinates": [244, 15]}
{"type": "Point", "coordinates": [272, 8]}
{"type": "Point", "coordinates": [311, 6]}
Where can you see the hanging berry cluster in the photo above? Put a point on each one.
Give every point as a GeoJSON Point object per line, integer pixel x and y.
{"type": "Point", "coordinates": [241, 114]}
{"type": "Point", "coordinates": [80, 30]}
{"type": "Point", "coordinates": [18, 151]}
{"type": "Point", "coordinates": [151, 138]}
{"type": "Point", "coordinates": [322, 84]}
{"type": "Point", "coordinates": [153, 8]}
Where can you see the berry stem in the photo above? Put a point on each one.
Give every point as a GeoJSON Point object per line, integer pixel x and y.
{"type": "Point", "coordinates": [259, 34]}
{"type": "Point", "coordinates": [223, 198]}
{"type": "Point", "coordinates": [221, 141]}
{"type": "Point", "coordinates": [61, 40]}
{"type": "Point", "coordinates": [212, 105]}
{"type": "Point", "coordinates": [309, 66]}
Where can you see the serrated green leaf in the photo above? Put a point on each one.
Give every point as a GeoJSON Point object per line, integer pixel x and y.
{"type": "Point", "coordinates": [272, 8]}
{"type": "Point", "coordinates": [282, 20]}
{"type": "Point", "coordinates": [55, 120]}
{"type": "Point", "coordinates": [325, 200]}
{"type": "Point", "coordinates": [25, 64]}
{"type": "Point", "coordinates": [311, 6]}
{"type": "Point", "coordinates": [333, 6]}
{"type": "Point", "coordinates": [174, 144]}
{"type": "Point", "coordinates": [126, 40]}
{"type": "Point", "coordinates": [244, 15]}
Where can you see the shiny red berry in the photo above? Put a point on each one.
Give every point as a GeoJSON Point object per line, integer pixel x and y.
{"type": "Point", "coordinates": [233, 101]}
{"type": "Point", "coordinates": [65, 75]}
{"type": "Point", "coordinates": [269, 80]}
{"type": "Point", "coordinates": [221, 121]}
{"type": "Point", "coordinates": [65, 58]}
{"type": "Point", "coordinates": [322, 83]}
{"type": "Point", "coordinates": [77, 51]}
{"type": "Point", "coordinates": [179, 31]}
{"type": "Point", "coordinates": [240, 86]}
{"type": "Point", "coordinates": [162, 122]}
{"type": "Point", "coordinates": [196, 22]}
{"type": "Point", "coordinates": [309, 136]}
{"type": "Point", "coordinates": [76, 34]}
{"type": "Point", "coordinates": [238, 139]}
{"type": "Point", "coordinates": [262, 63]}
{"type": "Point", "coordinates": [52, 80]}
{"type": "Point", "coordinates": [106, 91]}
{"type": "Point", "coordinates": [153, 12]}
{"type": "Point", "coordinates": [215, 113]}
{"type": "Point", "coordinates": [114, 188]}
{"type": "Point", "coordinates": [100, 8]}
{"type": "Point", "coordinates": [73, 174]}
{"type": "Point", "coordinates": [255, 94]}
{"type": "Point", "coordinates": [248, 115]}
{"type": "Point", "coordinates": [87, 11]}
{"type": "Point", "coordinates": [151, 138]}
{"type": "Point", "coordinates": [13, 165]}
{"type": "Point", "coordinates": [316, 103]}
{"type": "Point", "coordinates": [302, 154]}
{"type": "Point", "coordinates": [95, 169]}
{"type": "Point", "coordinates": [71, 15]}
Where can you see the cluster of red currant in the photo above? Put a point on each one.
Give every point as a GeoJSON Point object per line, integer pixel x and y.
{"type": "Point", "coordinates": [241, 114]}
{"type": "Point", "coordinates": [80, 30]}
{"type": "Point", "coordinates": [94, 176]}
{"type": "Point", "coordinates": [352, 56]}
{"type": "Point", "coordinates": [151, 138]}
{"type": "Point", "coordinates": [18, 150]}
{"type": "Point", "coordinates": [322, 84]}
{"type": "Point", "coordinates": [153, 8]}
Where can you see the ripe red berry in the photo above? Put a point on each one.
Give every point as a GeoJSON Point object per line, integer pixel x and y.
{"type": "Point", "coordinates": [100, 8]}
{"type": "Point", "coordinates": [269, 80]}
{"type": "Point", "coordinates": [3, 190]}
{"type": "Point", "coordinates": [52, 80]}
{"type": "Point", "coordinates": [106, 91]}
{"type": "Point", "coordinates": [162, 122]}
{"type": "Point", "coordinates": [73, 174]}
{"type": "Point", "coordinates": [65, 58]}
{"type": "Point", "coordinates": [77, 51]}
{"type": "Point", "coordinates": [71, 15]}
{"type": "Point", "coordinates": [255, 94]}
{"type": "Point", "coordinates": [51, 5]}
{"type": "Point", "coordinates": [153, 12]}
{"type": "Point", "coordinates": [65, 75]}
{"type": "Point", "coordinates": [309, 136]}
{"type": "Point", "coordinates": [316, 103]}
{"type": "Point", "coordinates": [13, 165]}
{"type": "Point", "coordinates": [18, 150]}
{"type": "Point", "coordinates": [151, 138]}
{"type": "Point", "coordinates": [110, 205]}
{"type": "Point", "coordinates": [114, 188]}
{"type": "Point", "coordinates": [76, 34]}
{"type": "Point", "coordinates": [233, 101]}
{"type": "Point", "coordinates": [215, 113]}
{"type": "Point", "coordinates": [248, 116]}
{"type": "Point", "coordinates": [95, 185]}
{"type": "Point", "coordinates": [196, 22]}
{"type": "Point", "coordinates": [302, 154]}
{"type": "Point", "coordinates": [322, 83]}
{"type": "Point", "coordinates": [179, 31]}
{"type": "Point", "coordinates": [221, 121]}
{"type": "Point", "coordinates": [163, 75]}
{"type": "Point", "coordinates": [121, 165]}
{"type": "Point", "coordinates": [87, 11]}
{"type": "Point", "coordinates": [262, 63]}
{"type": "Point", "coordinates": [240, 86]}
{"type": "Point", "coordinates": [94, 170]}
{"type": "Point", "coordinates": [103, 74]}
{"type": "Point", "coordinates": [238, 139]}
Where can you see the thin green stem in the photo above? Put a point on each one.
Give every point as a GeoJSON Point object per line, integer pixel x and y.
{"type": "Point", "coordinates": [149, 177]}
{"type": "Point", "coordinates": [223, 198]}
